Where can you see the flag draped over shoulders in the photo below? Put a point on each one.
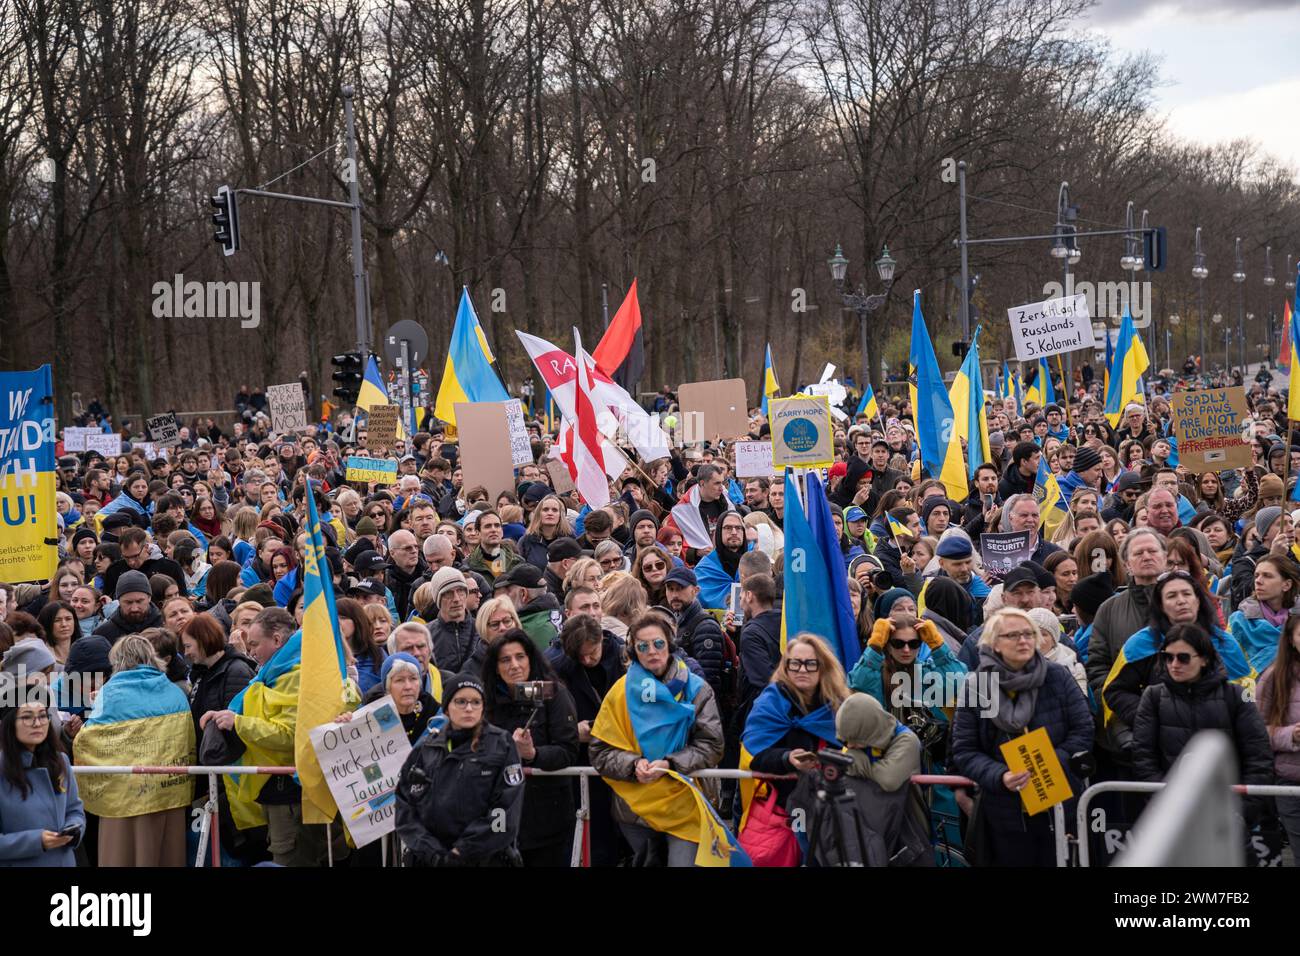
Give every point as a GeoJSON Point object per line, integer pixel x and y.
{"type": "Point", "coordinates": [266, 715]}
{"type": "Point", "coordinates": [769, 720]}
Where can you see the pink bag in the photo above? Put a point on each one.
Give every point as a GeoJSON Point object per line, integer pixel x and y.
{"type": "Point", "coordinates": [767, 836]}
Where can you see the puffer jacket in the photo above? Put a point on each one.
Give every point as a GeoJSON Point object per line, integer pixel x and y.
{"type": "Point", "coordinates": [213, 688]}
{"type": "Point", "coordinates": [1118, 619]}
{"type": "Point", "coordinates": [1171, 714]}
{"type": "Point", "coordinates": [703, 750]}
{"type": "Point", "coordinates": [456, 645]}
{"type": "Point", "coordinates": [700, 635]}
{"type": "Point", "coordinates": [1286, 750]}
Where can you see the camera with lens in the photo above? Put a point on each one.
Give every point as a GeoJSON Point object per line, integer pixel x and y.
{"type": "Point", "coordinates": [933, 734]}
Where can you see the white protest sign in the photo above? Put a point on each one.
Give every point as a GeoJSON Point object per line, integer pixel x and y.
{"type": "Point", "coordinates": [360, 761]}
{"type": "Point", "coordinates": [288, 408]}
{"type": "Point", "coordinates": [754, 459]}
{"type": "Point", "coordinates": [163, 430]}
{"type": "Point", "coordinates": [74, 439]}
{"type": "Point", "coordinates": [521, 448]}
{"type": "Point", "coordinates": [106, 445]}
{"type": "Point", "coordinates": [1051, 327]}
{"type": "Point", "coordinates": [151, 451]}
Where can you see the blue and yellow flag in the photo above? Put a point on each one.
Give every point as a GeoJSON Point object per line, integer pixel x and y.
{"type": "Point", "coordinates": [323, 671]}
{"type": "Point", "coordinates": [654, 720]}
{"type": "Point", "coordinates": [373, 392]}
{"type": "Point", "coordinates": [940, 451]}
{"type": "Point", "coordinates": [967, 397]}
{"type": "Point", "coordinates": [769, 720]}
{"type": "Point", "coordinates": [868, 405]}
{"type": "Point", "coordinates": [1042, 392]}
{"type": "Point", "coordinates": [1007, 388]}
{"type": "Point", "coordinates": [140, 718]}
{"type": "Point", "coordinates": [467, 375]}
{"type": "Point", "coordinates": [29, 536]}
{"type": "Point", "coordinates": [1047, 492]}
{"type": "Point", "coordinates": [770, 387]}
{"type": "Point", "coordinates": [1125, 385]}
{"type": "Point", "coordinates": [265, 718]}
{"type": "Point", "coordinates": [896, 527]}
{"type": "Point", "coordinates": [1146, 642]}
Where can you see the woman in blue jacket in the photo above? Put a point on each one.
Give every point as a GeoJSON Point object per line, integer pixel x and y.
{"type": "Point", "coordinates": [41, 816]}
{"type": "Point", "coordinates": [1258, 621]}
{"type": "Point", "coordinates": [133, 502]}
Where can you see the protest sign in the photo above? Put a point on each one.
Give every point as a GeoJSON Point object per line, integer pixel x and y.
{"type": "Point", "coordinates": [163, 430]}
{"type": "Point", "coordinates": [150, 450]}
{"type": "Point", "coordinates": [485, 453]}
{"type": "Point", "coordinates": [1209, 424]}
{"type": "Point", "coordinates": [106, 445]}
{"type": "Point", "coordinates": [28, 529]}
{"type": "Point", "coordinates": [1047, 784]}
{"type": "Point", "coordinates": [521, 446]}
{"type": "Point", "coordinates": [381, 426]}
{"type": "Point", "coordinates": [1051, 327]}
{"type": "Point", "coordinates": [378, 470]}
{"type": "Point", "coordinates": [74, 439]}
{"type": "Point", "coordinates": [288, 407]}
{"type": "Point", "coordinates": [754, 459]}
{"type": "Point", "coordinates": [360, 760]}
{"type": "Point", "coordinates": [561, 480]}
{"type": "Point", "coordinates": [801, 432]}
{"type": "Point", "coordinates": [1007, 550]}
{"type": "Point", "coordinates": [721, 406]}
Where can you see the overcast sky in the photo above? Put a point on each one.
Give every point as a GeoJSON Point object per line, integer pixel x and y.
{"type": "Point", "coordinates": [1230, 66]}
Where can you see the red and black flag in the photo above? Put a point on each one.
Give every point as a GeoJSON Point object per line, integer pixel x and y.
{"type": "Point", "coordinates": [621, 352]}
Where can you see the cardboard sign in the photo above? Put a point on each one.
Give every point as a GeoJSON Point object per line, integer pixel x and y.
{"type": "Point", "coordinates": [288, 407]}
{"type": "Point", "coordinates": [721, 406]}
{"type": "Point", "coordinates": [164, 430]}
{"type": "Point", "coordinates": [754, 459]}
{"type": "Point", "coordinates": [561, 481]}
{"type": "Point", "coordinates": [485, 452]}
{"type": "Point", "coordinates": [74, 439]}
{"type": "Point", "coordinates": [1209, 425]}
{"type": "Point", "coordinates": [381, 471]}
{"type": "Point", "coordinates": [521, 446]}
{"type": "Point", "coordinates": [381, 426]}
{"type": "Point", "coordinates": [802, 435]}
{"type": "Point", "coordinates": [1048, 784]}
{"type": "Point", "coordinates": [1007, 550]}
{"type": "Point", "coordinates": [107, 445]}
{"type": "Point", "coordinates": [1051, 327]}
{"type": "Point", "coordinates": [361, 760]}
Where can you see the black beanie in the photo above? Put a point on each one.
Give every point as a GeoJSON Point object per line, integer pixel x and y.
{"type": "Point", "coordinates": [1090, 593]}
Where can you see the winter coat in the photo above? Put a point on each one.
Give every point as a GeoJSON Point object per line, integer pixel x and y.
{"type": "Point", "coordinates": [507, 560]}
{"type": "Point", "coordinates": [700, 636]}
{"type": "Point", "coordinates": [548, 815]}
{"type": "Point", "coordinates": [1286, 751]}
{"type": "Point", "coordinates": [1257, 636]}
{"type": "Point", "coordinates": [402, 584]}
{"type": "Point", "coordinates": [532, 548]}
{"type": "Point", "coordinates": [1014, 483]}
{"type": "Point", "coordinates": [451, 797]}
{"type": "Point", "coordinates": [1060, 709]}
{"type": "Point", "coordinates": [214, 687]}
{"type": "Point", "coordinates": [1119, 618]}
{"type": "Point", "coordinates": [45, 808]}
{"type": "Point", "coordinates": [1171, 714]}
{"type": "Point", "coordinates": [117, 627]}
{"type": "Point", "coordinates": [150, 567]}
{"type": "Point", "coordinates": [457, 646]}
{"type": "Point", "coordinates": [541, 619]}
{"type": "Point", "coordinates": [760, 650]}
{"type": "Point", "coordinates": [1242, 584]}
{"type": "Point", "coordinates": [587, 696]}
{"type": "Point", "coordinates": [867, 677]}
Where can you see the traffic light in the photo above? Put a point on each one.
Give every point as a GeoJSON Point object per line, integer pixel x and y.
{"type": "Point", "coordinates": [347, 377]}
{"type": "Point", "coordinates": [226, 219]}
{"type": "Point", "coordinates": [1153, 249]}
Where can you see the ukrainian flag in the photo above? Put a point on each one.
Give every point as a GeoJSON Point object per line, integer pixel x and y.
{"type": "Point", "coordinates": [967, 397]}
{"type": "Point", "coordinates": [373, 392]}
{"type": "Point", "coordinates": [868, 404]}
{"type": "Point", "coordinates": [139, 719]}
{"type": "Point", "coordinates": [940, 452]}
{"type": "Point", "coordinates": [467, 375]}
{"type": "Point", "coordinates": [321, 674]}
{"type": "Point", "coordinates": [655, 720]}
{"type": "Point", "coordinates": [1042, 392]}
{"type": "Point", "coordinates": [770, 387]}
{"type": "Point", "coordinates": [1047, 492]}
{"type": "Point", "coordinates": [896, 527]}
{"type": "Point", "coordinates": [1146, 643]}
{"type": "Point", "coordinates": [264, 721]}
{"type": "Point", "coordinates": [769, 720]}
{"type": "Point", "coordinates": [1125, 385]}
{"type": "Point", "coordinates": [1007, 388]}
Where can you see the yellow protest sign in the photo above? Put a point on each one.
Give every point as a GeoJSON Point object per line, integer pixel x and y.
{"type": "Point", "coordinates": [1048, 784]}
{"type": "Point", "coordinates": [377, 470]}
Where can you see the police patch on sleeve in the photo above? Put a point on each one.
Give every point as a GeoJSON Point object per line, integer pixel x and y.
{"type": "Point", "coordinates": [514, 775]}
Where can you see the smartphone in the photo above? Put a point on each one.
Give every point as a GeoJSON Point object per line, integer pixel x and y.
{"type": "Point", "coordinates": [1069, 623]}
{"type": "Point", "coordinates": [734, 605]}
{"type": "Point", "coordinates": [70, 831]}
{"type": "Point", "coordinates": [988, 501]}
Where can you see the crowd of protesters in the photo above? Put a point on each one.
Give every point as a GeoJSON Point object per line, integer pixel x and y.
{"type": "Point", "coordinates": [1160, 602]}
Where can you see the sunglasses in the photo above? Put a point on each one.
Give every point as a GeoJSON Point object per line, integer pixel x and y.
{"type": "Point", "coordinates": [898, 643]}
{"type": "Point", "coordinates": [1182, 657]}
{"type": "Point", "coordinates": [654, 566]}
{"type": "Point", "coordinates": [644, 646]}
{"type": "Point", "coordinates": [798, 664]}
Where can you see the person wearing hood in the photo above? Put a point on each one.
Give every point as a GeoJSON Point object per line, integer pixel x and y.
{"type": "Point", "coordinates": [720, 568]}
{"type": "Point", "coordinates": [1191, 695]}
{"type": "Point", "coordinates": [856, 523]}
{"type": "Point", "coordinates": [540, 614]}
{"type": "Point", "coordinates": [1031, 692]}
{"type": "Point", "coordinates": [135, 608]}
{"type": "Point", "coordinates": [1259, 620]}
{"type": "Point", "coordinates": [856, 487]}
{"type": "Point", "coordinates": [950, 608]}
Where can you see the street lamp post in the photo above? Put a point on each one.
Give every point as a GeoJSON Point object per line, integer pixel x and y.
{"type": "Point", "coordinates": [1066, 248]}
{"type": "Point", "coordinates": [861, 303]}
{"type": "Point", "coordinates": [1199, 272]}
{"type": "Point", "coordinates": [1217, 318]}
{"type": "Point", "coordinates": [1239, 277]}
{"type": "Point", "coordinates": [1174, 321]}
{"type": "Point", "coordinates": [1269, 282]}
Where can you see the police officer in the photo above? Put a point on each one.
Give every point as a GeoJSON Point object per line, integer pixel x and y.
{"type": "Point", "coordinates": [460, 793]}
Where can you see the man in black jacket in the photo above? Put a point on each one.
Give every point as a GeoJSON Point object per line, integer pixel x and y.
{"type": "Point", "coordinates": [457, 646]}
{"type": "Point", "coordinates": [134, 543]}
{"type": "Point", "coordinates": [1020, 474]}
{"type": "Point", "coordinates": [135, 610]}
{"type": "Point", "coordinates": [760, 635]}
{"type": "Point", "coordinates": [698, 633]}
{"type": "Point", "coordinates": [407, 570]}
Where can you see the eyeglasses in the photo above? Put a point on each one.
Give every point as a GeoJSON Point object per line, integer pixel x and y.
{"type": "Point", "coordinates": [1174, 573]}
{"type": "Point", "coordinates": [1017, 636]}
{"type": "Point", "coordinates": [34, 720]}
{"type": "Point", "coordinates": [644, 646]}
{"type": "Point", "coordinates": [810, 665]}
{"type": "Point", "coordinates": [466, 704]}
{"type": "Point", "coordinates": [1182, 657]}
{"type": "Point", "coordinates": [501, 624]}
{"type": "Point", "coordinates": [898, 643]}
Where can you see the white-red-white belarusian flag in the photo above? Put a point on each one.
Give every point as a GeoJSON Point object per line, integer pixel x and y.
{"type": "Point", "coordinates": [587, 464]}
